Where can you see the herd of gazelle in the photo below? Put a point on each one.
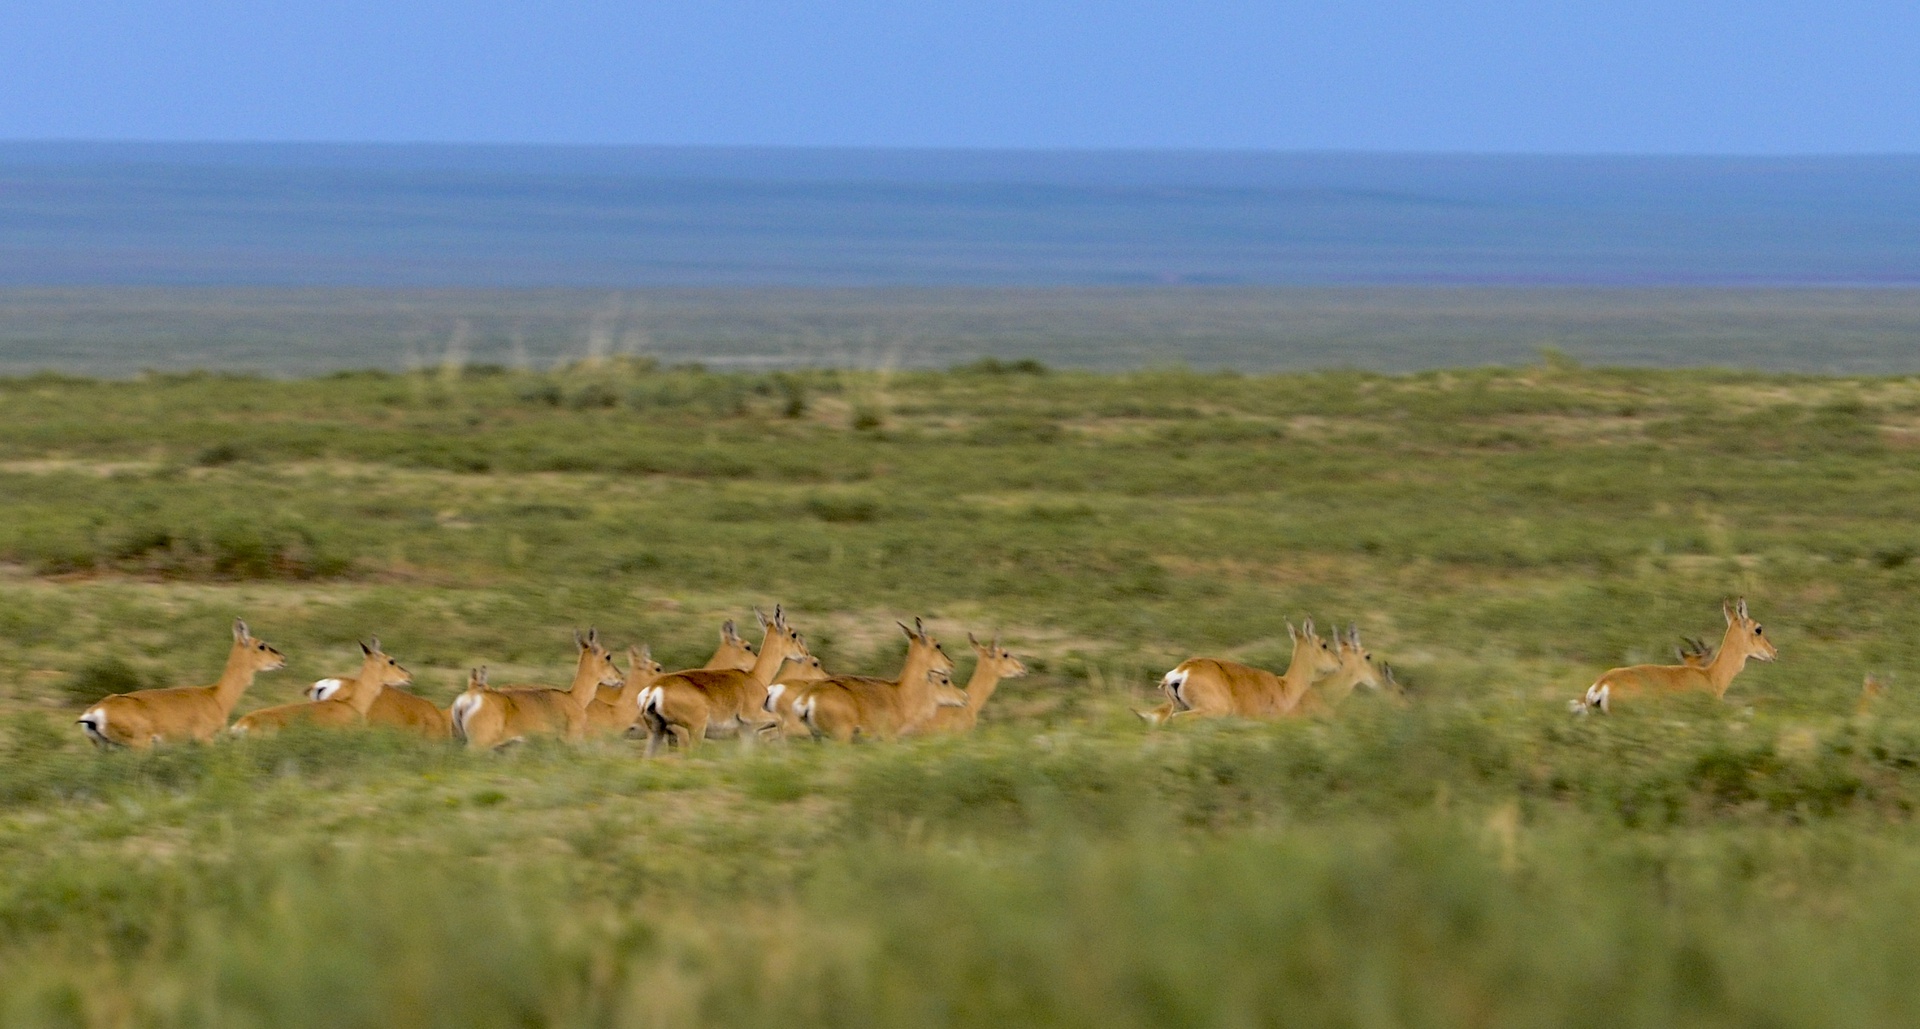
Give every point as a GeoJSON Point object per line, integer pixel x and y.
{"type": "Point", "coordinates": [781, 690]}
{"type": "Point", "coordinates": [777, 690]}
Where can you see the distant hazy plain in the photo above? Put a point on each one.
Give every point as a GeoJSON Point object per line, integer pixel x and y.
{"type": "Point", "coordinates": [121, 331]}
{"type": "Point", "coordinates": [295, 258]}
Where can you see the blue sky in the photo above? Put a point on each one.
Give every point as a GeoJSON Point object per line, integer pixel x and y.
{"type": "Point", "coordinates": [1679, 76]}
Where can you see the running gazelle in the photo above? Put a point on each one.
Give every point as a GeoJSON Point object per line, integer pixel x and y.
{"type": "Point", "coordinates": [841, 706]}
{"type": "Point", "coordinates": [1745, 640]}
{"type": "Point", "coordinates": [614, 717]}
{"type": "Point", "coordinates": [394, 708]}
{"type": "Point", "coordinates": [493, 716]}
{"type": "Point", "coordinates": [1206, 687]}
{"type": "Point", "coordinates": [145, 717]}
{"type": "Point", "coordinates": [733, 652]}
{"type": "Point", "coordinates": [715, 703]}
{"type": "Point", "coordinates": [346, 705]}
{"type": "Point", "coordinates": [996, 663]}
{"type": "Point", "coordinates": [1356, 668]}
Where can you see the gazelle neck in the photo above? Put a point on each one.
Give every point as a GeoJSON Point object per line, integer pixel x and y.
{"type": "Point", "coordinates": [768, 662]}
{"type": "Point", "coordinates": [913, 671]}
{"type": "Point", "coordinates": [1728, 660]}
{"type": "Point", "coordinates": [586, 680]}
{"type": "Point", "coordinates": [364, 689]}
{"type": "Point", "coordinates": [985, 679]}
{"type": "Point", "coordinates": [1339, 686]}
{"type": "Point", "coordinates": [235, 677]}
{"type": "Point", "coordinates": [1295, 681]}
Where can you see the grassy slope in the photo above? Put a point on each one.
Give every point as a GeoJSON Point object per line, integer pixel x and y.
{"type": "Point", "coordinates": [1477, 859]}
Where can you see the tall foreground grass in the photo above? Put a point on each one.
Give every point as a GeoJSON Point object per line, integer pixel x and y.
{"type": "Point", "coordinates": [1476, 858]}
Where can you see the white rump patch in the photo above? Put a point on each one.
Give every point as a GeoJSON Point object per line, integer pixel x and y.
{"type": "Point", "coordinates": [773, 696]}
{"type": "Point", "coordinates": [1171, 682]}
{"type": "Point", "coordinates": [324, 689]}
{"type": "Point", "coordinates": [1597, 696]}
{"type": "Point", "coordinates": [94, 724]}
{"type": "Point", "coordinates": [463, 708]}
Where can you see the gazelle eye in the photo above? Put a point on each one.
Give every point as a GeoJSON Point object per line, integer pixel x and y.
{"type": "Point", "coordinates": [1757, 630]}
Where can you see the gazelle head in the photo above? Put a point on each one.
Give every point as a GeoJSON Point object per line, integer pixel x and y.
{"type": "Point", "coordinates": [806, 669]}
{"type": "Point", "coordinates": [921, 641]}
{"type": "Point", "coordinates": [1357, 661]}
{"type": "Point", "coordinates": [997, 659]}
{"type": "Point", "coordinates": [1323, 660]}
{"type": "Point", "coordinates": [730, 638]}
{"type": "Point", "coordinates": [596, 658]}
{"type": "Point", "coordinates": [945, 693]}
{"type": "Point", "coordinates": [255, 653]}
{"type": "Point", "coordinates": [1390, 686]}
{"type": "Point", "coordinates": [376, 666]}
{"type": "Point", "coordinates": [1745, 633]}
{"type": "Point", "coordinates": [1694, 652]}
{"type": "Point", "coordinates": [781, 641]}
{"type": "Point", "coordinates": [641, 667]}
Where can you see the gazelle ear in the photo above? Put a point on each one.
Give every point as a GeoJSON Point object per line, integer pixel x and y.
{"type": "Point", "coordinates": [240, 633]}
{"type": "Point", "coordinates": [1353, 633]}
{"type": "Point", "coordinates": [1292, 633]}
{"type": "Point", "coordinates": [905, 629]}
{"type": "Point", "coordinates": [761, 616]}
{"type": "Point", "coordinates": [1726, 608]}
{"type": "Point", "coordinates": [579, 641]}
{"type": "Point", "coordinates": [1306, 627]}
{"type": "Point", "coordinates": [593, 636]}
{"type": "Point", "coordinates": [480, 676]}
{"type": "Point", "coordinates": [972, 641]}
{"type": "Point", "coordinates": [1743, 607]}
{"type": "Point", "coordinates": [374, 642]}
{"type": "Point", "coordinates": [364, 649]}
{"type": "Point", "coordinates": [727, 631]}
{"type": "Point", "coordinates": [918, 629]}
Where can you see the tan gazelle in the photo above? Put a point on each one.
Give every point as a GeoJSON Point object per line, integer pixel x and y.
{"type": "Point", "coordinates": [780, 693]}
{"type": "Point", "coordinates": [841, 706]}
{"type": "Point", "coordinates": [1693, 651]}
{"type": "Point", "coordinates": [492, 716]}
{"type": "Point", "coordinates": [346, 706]}
{"type": "Point", "coordinates": [733, 652]}
{"type": "Point", "coordinates": [1206, 687]}
{"type": "Point", "coordinates": [717, 703]}
{"type": "Point", "coordinates": [394, 708]}
{"type": "Point", "coordinates": [996, 663]}
{"type": "Point", "coordinates": [1745, 640]}
{"type": "Point", "coordinates": [615, 717]}
{"type": "Point", "coordinates": [1357, 668]}
{"type": "Point", "coordinates": [146, 717]}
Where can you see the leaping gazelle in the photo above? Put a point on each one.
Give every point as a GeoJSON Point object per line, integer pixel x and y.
{"type": "Point", "coordinates": [145, 717]}
{"type": "Point", "coordinates": [1745, 639]}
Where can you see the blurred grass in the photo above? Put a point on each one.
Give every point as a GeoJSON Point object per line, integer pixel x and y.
{"type": "Point", "coordinates": [1478, 858]}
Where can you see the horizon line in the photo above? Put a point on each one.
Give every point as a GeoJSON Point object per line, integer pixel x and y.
{"type": "Point", "coordinates": [1010, 150]}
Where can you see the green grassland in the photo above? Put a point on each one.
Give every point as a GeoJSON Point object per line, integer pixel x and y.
{"type": "Point", "coordinates": [1478, 857]}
